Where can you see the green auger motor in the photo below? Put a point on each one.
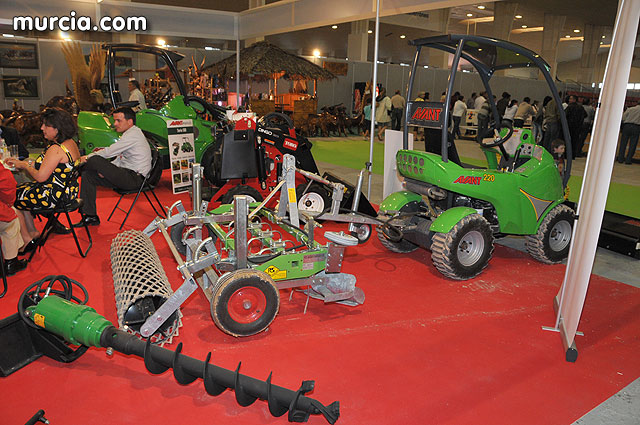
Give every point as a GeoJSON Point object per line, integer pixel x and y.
{"type": "Point", "coordinates": [54, 317]}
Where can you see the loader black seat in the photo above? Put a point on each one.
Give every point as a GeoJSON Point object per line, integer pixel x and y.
{"type": "Point", "coordinates": [433, 144]}
{"type": "Point", "coordinates": [239, 159]}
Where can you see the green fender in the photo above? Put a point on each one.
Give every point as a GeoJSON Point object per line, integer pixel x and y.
{"type": "Point", "coordinates": [397, 200]}
{"type": "Point", "coordinates": [445, 221]}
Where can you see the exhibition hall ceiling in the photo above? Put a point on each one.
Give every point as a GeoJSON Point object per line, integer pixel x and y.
{"type": "Point", "coordinates": [331, 40]}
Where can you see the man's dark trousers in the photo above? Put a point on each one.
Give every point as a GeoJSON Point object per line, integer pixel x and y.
{"type": "Point", "coordinates": [99, 171]}
{"type": "Point", "coordinates": [396, 118]}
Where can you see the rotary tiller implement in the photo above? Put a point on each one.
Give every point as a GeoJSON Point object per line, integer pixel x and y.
{"type": "Point", "coordinates": [249, 256]}
{"type": "Point", "coordinates": [47, 323]}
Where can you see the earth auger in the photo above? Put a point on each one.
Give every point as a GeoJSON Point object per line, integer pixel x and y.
{"type": "Point", "coordinates": [79, 324]}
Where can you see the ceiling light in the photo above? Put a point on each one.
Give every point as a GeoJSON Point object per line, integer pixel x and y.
{"type": "Point", "coordinates": [426, 67]}
{"type": "Point", "coordinates": [601, 42]}
{"type": "Point", "coordinates": [479, 50]}
{"type": "Point", "coordinates": [524, 26]}
{"type": "Point", "coordinates": [403, 36]}
{"type": "Point", "coordinates": [576, 31]}
{"type": "Point", "coordinates": [567, 36]}
{"type": "Point", "coordinates": [469, 15]}
{"type": "Point", "coordinates": [572, 38]}
{"type": "Point", "coordinates": [370, 32]}
{"type": "Point", "coordinates": [518, 16]}
{"type": "Point", "coordinates": [8, 35]}
{"type": "Point", "coordinates": [335, 27]}
{"type": "Point", "coordinates": [481, 7]}
{"type": "Point", "coordinates": [603, 36]}
{"type": "Point", "coordinates": [528, 29]}
{"type": "Point", "coordinates": [477, 20]}
{"type": "Point", "coordinates": [161, 42]}
{"type": "Point", "coordinates": [316, 53]}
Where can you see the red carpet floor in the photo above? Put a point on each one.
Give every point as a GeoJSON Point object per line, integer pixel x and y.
{"type": "Point", "coordinates": [420, 350]}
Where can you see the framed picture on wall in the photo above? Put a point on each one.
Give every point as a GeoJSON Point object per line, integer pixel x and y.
{"type": "Point", "coordinates": [18, 55]}
{"type": "Point", "coordinates": [20, 86]}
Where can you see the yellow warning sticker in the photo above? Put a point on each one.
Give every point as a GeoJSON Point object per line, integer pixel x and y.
{"type": "Point", "coordinates": [38, 319]}
{"type": "Point", "coordinates": [292, 195]}
{"type": "Point", "coordinates": [276, 273]}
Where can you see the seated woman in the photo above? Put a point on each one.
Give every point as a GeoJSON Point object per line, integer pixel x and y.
{"type": "Point", "coordinates": [48, 172]}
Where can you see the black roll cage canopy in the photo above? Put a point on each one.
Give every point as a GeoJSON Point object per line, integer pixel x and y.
{"type": "Point", "coordinates": [487, 55]}
{"type": "Point", "coordinates": [170, 58]}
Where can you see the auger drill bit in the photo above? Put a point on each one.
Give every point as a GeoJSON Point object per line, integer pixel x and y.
{"type": "Point", "coordinates": [81, 325]}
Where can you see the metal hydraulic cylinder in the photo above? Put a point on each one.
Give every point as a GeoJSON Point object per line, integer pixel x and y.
{"type": "Point", "coordinates": [77, 324]}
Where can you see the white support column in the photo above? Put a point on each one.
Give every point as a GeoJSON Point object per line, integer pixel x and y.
{"type": "Point", "coordinates": [252, 5]}
{"type": "Point", "coordinates": [438, 58]}
{"type": "Point", "coordinates": [595, 186]}
{"type": "Point", "coordinates": [592, 37]}
{"type": "Point", "coordinates": [358, 41]}
{"type": "Point", "coordinates": [504, 13]}
{"type": "Point", "coordinates": [553, 25]}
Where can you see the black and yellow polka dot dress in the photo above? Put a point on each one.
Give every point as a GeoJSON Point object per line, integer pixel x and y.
{"type": "Point", "coordinates": [46, 194]}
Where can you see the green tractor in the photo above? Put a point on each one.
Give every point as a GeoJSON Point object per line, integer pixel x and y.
{"type": "Point", "coordinates": [456, 211]}
{"type": "Point", "coordinates": [95, 128]}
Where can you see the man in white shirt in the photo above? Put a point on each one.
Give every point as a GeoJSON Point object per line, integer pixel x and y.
{"type": "Point", "coordinates": [135, 95]}
{"type": "Point", "coordinates": [630, 134]}
{"type": "Point", "coordinates": [480, 100]}
{"type": "Point", "coordinates": [459, 111]}
{"type": "Point", "coordinates": [524, 111]}
{"type": "Point", "coordinates": [127, 171]}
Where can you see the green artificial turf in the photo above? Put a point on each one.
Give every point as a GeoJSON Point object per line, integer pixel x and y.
{"type": "Point", "coordinates": [623, 198]}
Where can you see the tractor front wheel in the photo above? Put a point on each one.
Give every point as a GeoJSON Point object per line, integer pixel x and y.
{"type": "Point", "coordinates": [465, 250]}
{"type": "Point", "coordinates": [244, 302]}
{"type": "Point", "coordinates": [550, 244]}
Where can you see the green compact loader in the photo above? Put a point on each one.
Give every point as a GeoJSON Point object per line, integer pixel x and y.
{"type": "Point", "coordinates": [457, 211]}
{"type": "Point", "coordinates": [95, 128]}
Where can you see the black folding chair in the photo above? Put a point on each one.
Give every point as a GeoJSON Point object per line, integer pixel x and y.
{"type": "Point", "coordinates": [65, 205]}
{"type": "Point", "coordinates": [148, 184]}
{"type": "Point", "coordinates": [4, 273]}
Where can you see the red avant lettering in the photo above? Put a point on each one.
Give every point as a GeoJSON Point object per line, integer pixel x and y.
{"type": "Point", "coordinates": [437, 112]}
{"type": "Point", "coordinates": [468, 180]}
{"type": "Point", "coordinates": [417, 113]}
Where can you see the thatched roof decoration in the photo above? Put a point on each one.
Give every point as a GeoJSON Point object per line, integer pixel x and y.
{"type": "Point", "coordinates": [263, 60]}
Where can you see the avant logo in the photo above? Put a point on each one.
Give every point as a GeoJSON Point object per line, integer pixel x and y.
{"type": "Point", "coordinates": [427, 114]}
{"type": "Point", "coordinates": [468, 180]}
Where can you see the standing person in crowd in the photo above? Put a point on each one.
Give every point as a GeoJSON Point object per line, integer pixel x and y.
{"type": "Point", "coordinates": [510, 111]}
{"type": "Point", "coordinates": [550, 124]}
{"type": "Point", "coordinates": [383, 112]}
{"type": "Point", "coordinates": [630, 133]}
{"type": "Point", "coordinates": [587, 125]}
{"type": "Point", "coordinates": [9, 224]}
{"type": "Point", "coordinates": [135, 95]}
{"type": "Point", "coordinates": [398, 104]}
{"type": "Point", "coordinates": [471, 102]}
{"type": "Point", "coordinates": [367, 116]}
{"type": "Point", "coordinates": [131, 164]}
{"type": "Point", "coordinates": [484, 113]}
{"type": "Point", "coordinates": [459, 112]}
{"type": "Point", "coordinates": [49, 172]}
{"type": "Point", "coordinates": [480, 100]}
{"type": "Point", "coordinates": [11, 137]}
{"type": "Point", "coordinates": [503, 103]}
{"type": "Point", "coordinates": [423, 96]}
{"type": "Point", "coordinates": [575, 118]}
{"type": "Point", "coordinates": [524, 111]}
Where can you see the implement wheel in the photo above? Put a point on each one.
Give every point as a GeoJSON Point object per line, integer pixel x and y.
{"type": "Point", "coordinates": [465, 250]}
{"type": "Point", "coordinates": [244, 302]}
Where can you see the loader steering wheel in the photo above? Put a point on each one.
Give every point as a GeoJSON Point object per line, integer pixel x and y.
{"type": "Point", "coordinates": [275, 119]}
{"type": "Point", "coordinates": [217, 112]}
{"type": "Point", "coordinates": [500, 140]}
